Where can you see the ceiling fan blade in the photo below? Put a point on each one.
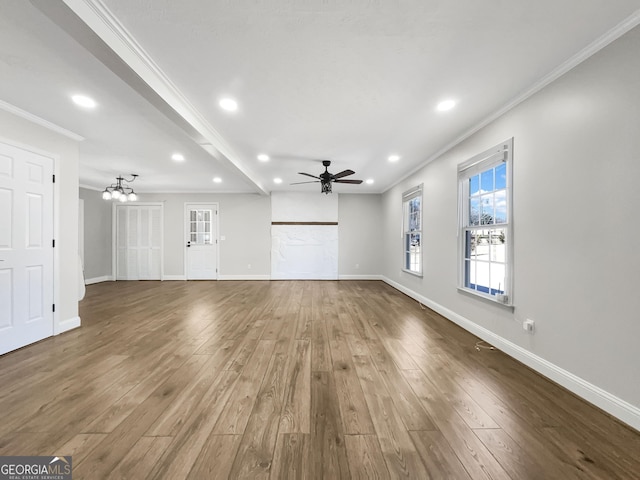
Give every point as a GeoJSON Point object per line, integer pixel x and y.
{"type": "Point", "coordinates": [300, 183]}
{"type": "Point", "coordinates": [308, 175]}
{"type": "Point", "coordinates": [355, 182]}
{"type": "Point", "coordinates": [343, 173]}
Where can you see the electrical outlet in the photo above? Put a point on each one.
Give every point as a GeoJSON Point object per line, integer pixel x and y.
{"type": "Point", "coordinates": [249, 267]}
{"type": "Point", "coordinates": [357, 265]}
{"type": "Point", "coordinates": [529, 325]}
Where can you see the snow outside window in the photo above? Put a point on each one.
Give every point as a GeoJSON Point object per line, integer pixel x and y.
{"type": "Point", "coordinates": [485, 236]}
{"type": "Point", "coordinates": [412, 230]}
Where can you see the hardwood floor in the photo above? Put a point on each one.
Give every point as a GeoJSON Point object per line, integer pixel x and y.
{"type": "Point", "coordinates": [332, 380]}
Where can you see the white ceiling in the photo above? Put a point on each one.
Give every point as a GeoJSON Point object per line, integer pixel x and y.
{"type": "Point", "coordinates": [349, 81]}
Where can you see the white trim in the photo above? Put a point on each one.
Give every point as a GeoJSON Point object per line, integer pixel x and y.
{"type": "Point", "coordinates": [413, 192]}
{"type": "Point", "coordinates": [141, 193]}
{"type": "Point", "coordinates": [66, 325]}
{"type": "Point", "coordinates": [96, 15]}
{"type": "Point", "coordinates": [305, 276]}
{"type": "Point", "coordinates": [174, 277]}
{"type": "Point", "coordinates": [594, 47]}
{"type": "Point", "coordinates": [493, 299]}
{"type": "Point", "coordinates": [81, 234]}
{"type": "Point", "coordinates": [359, 277]}
{"type": "Point", "coordinates": [104, 278]}
{"type": "Point", "coordinates": [194, 192]}
{"type": "Point", "coordinates": [608, 402]}
{"type": "Point", "coordinates": [244, 277]}
{"type": "Point", "coordinates": [114, 238]}
{"type": "Point", "coordinates": [410, 272]}
{"type": "Point", "coordinates": [7, 107]}
{"type": "Point", "coordinates": [89, 187]}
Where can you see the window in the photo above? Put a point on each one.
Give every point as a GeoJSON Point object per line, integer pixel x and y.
{"type": "Point", "coordinates": [412, 230]}
{"type": "Point", "coordinates": [485, 236]}
{"type": "Point", "coordinates": [200, 227]}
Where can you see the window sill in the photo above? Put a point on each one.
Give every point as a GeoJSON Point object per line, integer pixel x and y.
{"type": "Point", "coordinates": [410, 272]}
{"type": "Point", "coordinates": [486, 298]}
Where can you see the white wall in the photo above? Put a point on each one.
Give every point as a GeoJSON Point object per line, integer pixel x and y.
{"type": "Point", "coordinates": [97, 236]}
{"type": "Point", "coordinates": [300, 251]}
{"type": "Point", "coordinates": [245, 222]}
{"type": "Point", "coordinates": [577, 257]}
{"type": "Point", "coordinates": [21, 131]}
{"type": "Point", "coordinates": [360, 233]}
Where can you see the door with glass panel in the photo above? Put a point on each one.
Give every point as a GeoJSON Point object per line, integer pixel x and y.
{"type": "Point", "coordinates": [201, 243]}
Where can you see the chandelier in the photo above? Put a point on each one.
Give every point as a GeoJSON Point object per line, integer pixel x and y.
{"type": "Point", "coordinates": [118, 191]}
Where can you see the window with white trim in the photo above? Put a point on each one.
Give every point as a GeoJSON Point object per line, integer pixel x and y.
{"type": "Point", "coordinates": [200, 227]}
{"type": "Point", "coordinates": [485, 235]}
{"type": "Point", "coordinates": [412, 230]}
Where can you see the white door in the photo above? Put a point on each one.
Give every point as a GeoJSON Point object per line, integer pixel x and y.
{"type": "Point", "coordinates": [201, 244]}
{"type": "Point", "coordinates": [26, 248]}
{"type": "Point", "coordinates": [138, 242]}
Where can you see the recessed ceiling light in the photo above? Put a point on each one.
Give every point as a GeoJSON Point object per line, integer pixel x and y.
{"type": "Point", "coordinates": [369, 181]}
{"type": "Point", "coordinates": [394, 158]}
{"type": "Point", "coordinates": [84, 101]}
{"type": "Point", "coordinates": [446, 105]}
{"type": "Point", "coordinates": [277, 180]}
{"type": "Point", "coordinates": [263, 157]}
{"type": "Point", "coordinates": [178, 157]}
{"type": "Point", "coordinates": [229, 104]}
{"type": "Point", "coordinates": [217, 179]}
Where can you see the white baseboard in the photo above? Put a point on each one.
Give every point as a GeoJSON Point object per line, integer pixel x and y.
{"type": "Point", "coordinates": [105, 278]}
{"type": "Point", "coordinates": [244, 277]}
{"type": "Point", "coordinates": [360, 277]}
{"type": "Point", "coordinates": [622, 410]}
{"type": "Point", "coordinates": [174, 277]}
{"type": "Point", "coordinates": [66, 325]}
{"type": "Point", "coordinates": [302, 276]}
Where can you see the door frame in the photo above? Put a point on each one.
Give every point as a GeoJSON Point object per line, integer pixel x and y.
{"type": "Point", "coordinates": [56, 280]}
{"type": "Point", "coordinates": [185, 232]}
{"type": "Point", "coordinates": [114, 234]}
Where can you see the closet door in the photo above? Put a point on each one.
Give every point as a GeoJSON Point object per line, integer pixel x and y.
{"type": "Point", "coordinates": [139, 242]}
{"type": "Point", "coordinates": [149, 243]}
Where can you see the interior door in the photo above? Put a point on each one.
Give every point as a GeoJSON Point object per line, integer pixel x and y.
{"type": "Point", "coordinates": [26, 249]}
{"type": "Point", "coordinates": [201, 226]}
{"type": "Point", "coordinates": [138, 242]}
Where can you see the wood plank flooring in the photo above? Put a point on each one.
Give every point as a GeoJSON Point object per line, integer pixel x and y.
{"type": "Point", "coordinates": [288, 379]}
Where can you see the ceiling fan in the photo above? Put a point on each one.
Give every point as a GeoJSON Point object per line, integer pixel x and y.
{"type": "Point", "coordinates": [326, 179]}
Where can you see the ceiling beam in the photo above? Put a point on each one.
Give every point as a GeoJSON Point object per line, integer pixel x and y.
{"type": "Point", "coordinates": [94, 27]}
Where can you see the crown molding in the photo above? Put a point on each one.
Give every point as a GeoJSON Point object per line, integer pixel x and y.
{"type": "Point", "coordinates": [594, 47]}
{"type": "Point", "coordinates": [96, 15]}
{"type": "Point", "coordinates": [89, 187]}
{"type": "Point", "coordinates": [7, 107]}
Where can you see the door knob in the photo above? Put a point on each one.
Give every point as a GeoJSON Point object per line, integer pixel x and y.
{"type": "Point", "coordinates": [188, 244]}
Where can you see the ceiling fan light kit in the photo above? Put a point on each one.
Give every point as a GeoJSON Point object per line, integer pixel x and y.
{"type": "Point", "coordinates": [326, 178]}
